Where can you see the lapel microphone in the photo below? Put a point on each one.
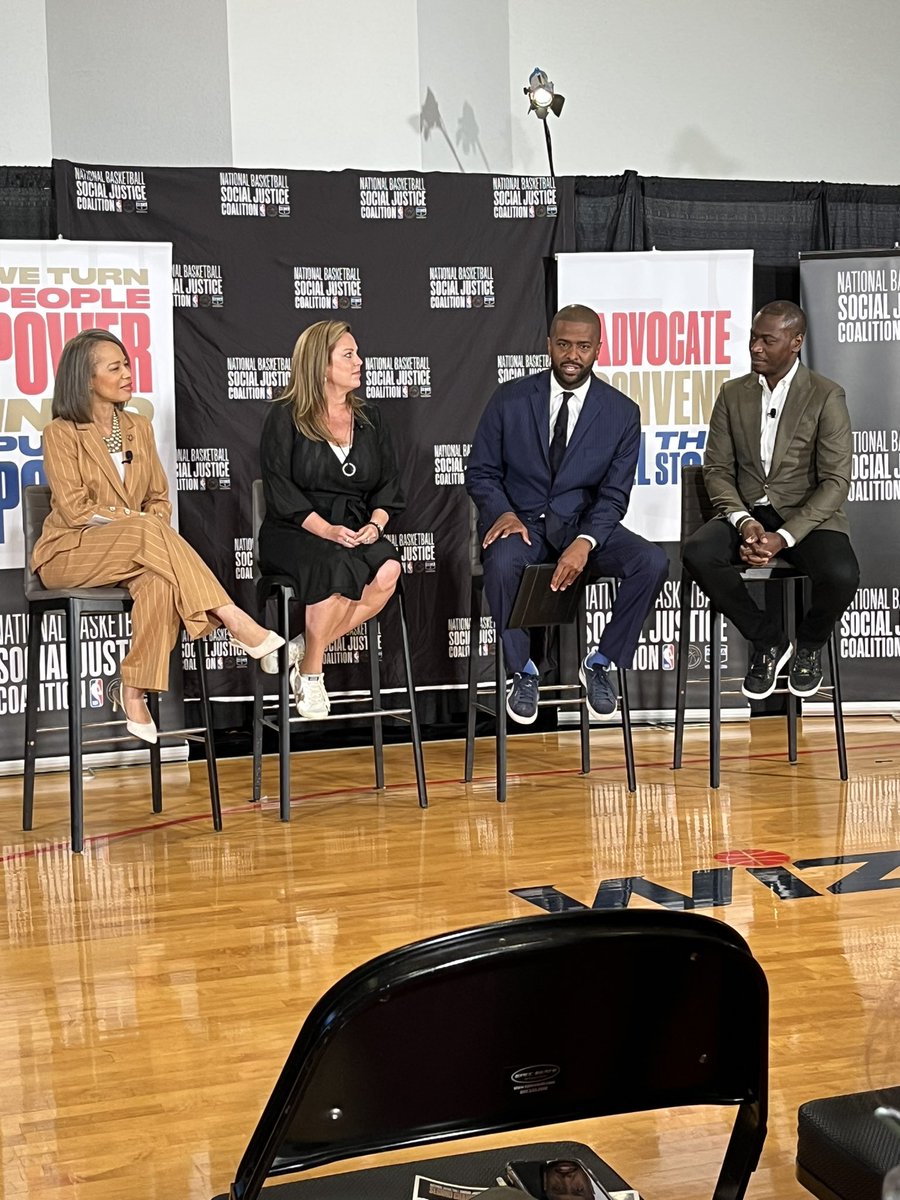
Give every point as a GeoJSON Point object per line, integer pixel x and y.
{"type": "Point", "coordinates": [771, 414]}
{"type": "Point", "coordinates": [127, 458]}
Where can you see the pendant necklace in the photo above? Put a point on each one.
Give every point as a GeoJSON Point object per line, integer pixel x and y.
{"type": "Point", "coordinates": [348, 468]}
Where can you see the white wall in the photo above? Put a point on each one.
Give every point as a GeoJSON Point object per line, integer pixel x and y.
{"type": "Point", "coordinates": [805, 90]}
{"type": "Point", "coordinates": [324, 84]}
{"type": "Point", "coordinates": [463, 85]}
{"type": "Point", "coordinates": [698, 88]}
{"type": "Point", "coordinates": [139, 83]}
{"type": "Point", "coordinates": [24, 85]}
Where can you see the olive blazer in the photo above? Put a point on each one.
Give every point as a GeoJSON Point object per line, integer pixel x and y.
{"type": "Point", "coordinates": [809, 478]}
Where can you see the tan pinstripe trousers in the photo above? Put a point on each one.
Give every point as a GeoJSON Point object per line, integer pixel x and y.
{"type": "Point", "coordinates": [168, 580]}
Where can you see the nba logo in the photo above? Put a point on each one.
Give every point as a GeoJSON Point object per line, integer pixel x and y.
{"type": "Point", "coordinates": [96, 693]}
{"type": "Point", "coordinates": [668, 656]}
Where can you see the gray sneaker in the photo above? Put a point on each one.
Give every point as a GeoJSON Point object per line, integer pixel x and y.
{"type": "Point", "coordinates": [601, 695]}
{"type": "Point", "coordinates": [522, 698]}
{"type": "Point", "coordinates": [296, 651]}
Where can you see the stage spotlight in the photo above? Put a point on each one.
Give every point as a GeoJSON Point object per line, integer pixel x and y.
{"type": "Point", "coordinates": [542, 98]}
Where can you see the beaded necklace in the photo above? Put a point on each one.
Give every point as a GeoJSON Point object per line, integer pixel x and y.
{"type": "Point", "coordinates": [114, 441]}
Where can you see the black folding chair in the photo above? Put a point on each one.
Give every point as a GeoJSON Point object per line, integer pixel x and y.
{"type": "Point", "coordinates": [843, 1150]}
{"type": "Point", "coordinates": [74, 603]}
{"type": "Point", "coordinates": [524, 1023]}
{"type": "Point", "coordinates": [280, 588]}
{"type": "Point", "coordinates": [492, 698]}
{"type": "Point", "coordinates": [696, 510]}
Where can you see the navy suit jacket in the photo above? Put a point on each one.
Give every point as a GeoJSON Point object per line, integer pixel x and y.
{"type": "Point", "coordinates": [509, 464]}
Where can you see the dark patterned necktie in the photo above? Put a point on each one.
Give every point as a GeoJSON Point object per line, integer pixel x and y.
{"type": "Point", "coordinates": [560, 429]}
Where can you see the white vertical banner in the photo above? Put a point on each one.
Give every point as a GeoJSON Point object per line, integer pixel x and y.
{"type": "Point", "coordinates": [676, 326]}
{"type": "Point", "coordinates": [49, 291]}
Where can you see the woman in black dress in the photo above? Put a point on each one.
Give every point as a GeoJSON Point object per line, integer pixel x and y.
{"type": "Point", "coordinates": [331, 485]}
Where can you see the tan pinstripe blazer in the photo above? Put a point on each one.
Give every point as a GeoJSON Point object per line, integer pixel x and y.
{"type": "Point", "coordinates": [84, 481]}
{"type": "Point", "coordinates": [812, 461]}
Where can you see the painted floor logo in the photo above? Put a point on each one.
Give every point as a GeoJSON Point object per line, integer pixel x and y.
{"type": "Point", "coordinates": [714, 887]}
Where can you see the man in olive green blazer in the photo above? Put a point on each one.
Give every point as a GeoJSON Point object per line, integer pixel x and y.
{"type": "Point", "coordinates": [777, 467]}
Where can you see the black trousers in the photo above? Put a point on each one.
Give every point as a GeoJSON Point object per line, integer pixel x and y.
{"type": "Point", "coordinates": [711, 554]}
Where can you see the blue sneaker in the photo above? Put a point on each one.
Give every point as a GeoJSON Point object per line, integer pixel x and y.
{"type": "Point", "coordinates": [522, 698]}
{"type": "Point", "coordinates": [601, 695]}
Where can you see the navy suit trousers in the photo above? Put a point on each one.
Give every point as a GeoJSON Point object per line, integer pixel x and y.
{"type": "Point", "coordinates": [640, 567]}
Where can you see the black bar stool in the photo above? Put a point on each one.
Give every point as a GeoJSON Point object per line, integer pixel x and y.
{"type": "Point", "coordinates": [696, 510]}
{"type": "Point", "coordinates": [563, 694]}
{"type": "Point", "coordinates": [280, 588]}
{"type": "Point", "coordinates": [74, 603]}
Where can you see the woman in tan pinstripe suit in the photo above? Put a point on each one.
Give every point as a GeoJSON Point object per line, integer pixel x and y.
{"type": "Point", "coordinates": [109, 524]}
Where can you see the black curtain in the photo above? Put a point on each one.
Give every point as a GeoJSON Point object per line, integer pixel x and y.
{"type": "Point", "coordinates": [27, 208]}
{"type": "Point", "coordinates": [634, 212]}
{"type": "Point", "coordinates": [775, 220]}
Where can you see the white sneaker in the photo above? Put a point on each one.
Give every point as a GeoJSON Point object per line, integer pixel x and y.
{"type": "Point", "coordinates": [296, 651]}
{"type": "Point", "coordinates": [310, 696]}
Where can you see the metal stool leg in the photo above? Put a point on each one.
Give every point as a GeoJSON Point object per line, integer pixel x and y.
{"type": "Point", "coordinates": [500, 703]}
{"type": "Point", "coordinates": [372, 631]}
{"type": "Point", "coordinates": [259, 687]}
{"type": "Point", "coordinates": [209, 744]}
{"type": "Point", "coordinates": [684, 641]}
{"type": "Point", "coordinates": [715, 697]}
{"type": "Point", "coordinates": [32, 705]}
{"type": "Point", "coordinates": [155, 756]}
{"type": "Point", "coordinates": [581, 653]}
{"type": "Point", "coordinates": [475, 606]}
{"type": "Point", "coordinates": [415, 731]}
{"type": "Point", "coordinates": [793, 704]}
{"type": "Point", "coordinates": [791, 597]}
{"type": "Point", "coordinates": [834, 670]}
{"type": "Point", "coordinates": [76, 781]}
{"type": "Point", "coordinates": [284, 710]}
{"type": "Point", "coordinates": [627, 739]}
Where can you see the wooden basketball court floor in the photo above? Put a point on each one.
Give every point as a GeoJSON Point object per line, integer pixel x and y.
{"type": "Point", "coordinates": [153, 986]}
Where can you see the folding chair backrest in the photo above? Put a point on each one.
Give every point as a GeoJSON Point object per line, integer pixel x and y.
{"type": "Point", "coordinates": [696, 506]}
{"type": "Point", "coordinates": [257, 516]}
{"type": "Point", "coordinates": [697, 509]}
{"type": "Point", "coordinates": [475, 565]}
{"type": "Point", "coordinates": [520, 1024]}
{"type": "Point", "coordinates": [35, 510]}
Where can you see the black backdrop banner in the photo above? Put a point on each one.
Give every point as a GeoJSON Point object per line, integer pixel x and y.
{"type": "Point", "coordinates": [444, 279]}
{"type": "Point", "coordinates": [853, 305]}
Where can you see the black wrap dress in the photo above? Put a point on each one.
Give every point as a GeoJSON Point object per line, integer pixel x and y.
{"type": "Point", "coordinates": [300, 477]}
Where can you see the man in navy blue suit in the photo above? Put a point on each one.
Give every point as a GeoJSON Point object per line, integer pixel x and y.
{"type": "Point", "coordinates": [550, 471]}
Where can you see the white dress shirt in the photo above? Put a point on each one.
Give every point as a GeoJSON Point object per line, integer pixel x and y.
{"type": "Point", "coordinates": [576, 403]}
{"type": "Point", "coordinates": [771, 408]}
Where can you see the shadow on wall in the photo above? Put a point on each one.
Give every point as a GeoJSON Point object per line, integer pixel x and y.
{"type": "Point", "coordinates": [468, 136]}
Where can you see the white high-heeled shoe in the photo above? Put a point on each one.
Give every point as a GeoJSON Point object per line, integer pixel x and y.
{"type": "Point", "coordinates": [296, 651]}
{"type": "Point", "coordinates": [146, 731]}
{"type": "Point", "coordinates": [272, 641]}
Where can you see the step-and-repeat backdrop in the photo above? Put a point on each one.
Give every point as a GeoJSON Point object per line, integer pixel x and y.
{"type": "Point", "coordinates": [853, 305]}
{"type": "Point", "coordinates": [446, 280]}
